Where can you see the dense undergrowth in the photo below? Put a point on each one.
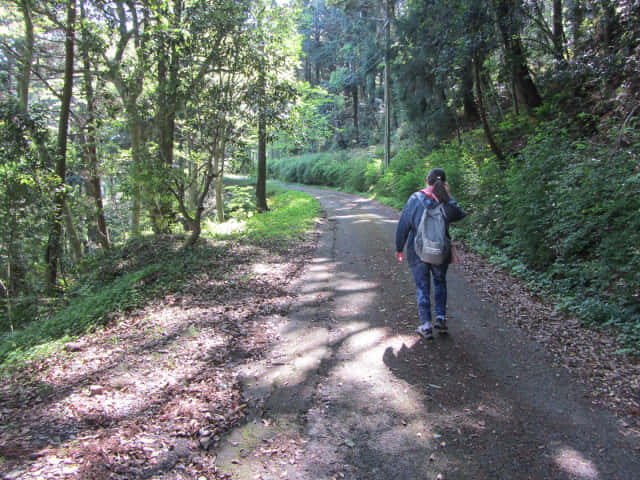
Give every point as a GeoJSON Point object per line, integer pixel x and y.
{"type": "Point", "coordinates": [564, 214]}
{"type": "Point", "coordinates": [147, 269]}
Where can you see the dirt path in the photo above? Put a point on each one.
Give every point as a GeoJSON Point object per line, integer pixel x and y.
{"type": "Point", "coordinates": [351, 392]}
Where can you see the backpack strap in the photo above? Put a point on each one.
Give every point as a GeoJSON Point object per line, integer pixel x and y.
{"type": "Point", "coordinates": [430, 195]}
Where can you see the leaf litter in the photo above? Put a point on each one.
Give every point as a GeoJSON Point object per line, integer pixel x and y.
{"type": "Point", "coordinates": [151, 394]}
{"type": "Point", "coordinates": [590, 355]}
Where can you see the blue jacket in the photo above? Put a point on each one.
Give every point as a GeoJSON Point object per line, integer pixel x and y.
{"type": "Point", "coordinates": [410, 218]}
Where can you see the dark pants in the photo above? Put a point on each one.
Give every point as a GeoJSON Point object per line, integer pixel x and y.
{"type": "Point", "coordinates": [422, 274]}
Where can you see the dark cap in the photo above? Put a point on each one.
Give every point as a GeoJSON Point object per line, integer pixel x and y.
{"type": "Point", "coordinates": [436, 174]}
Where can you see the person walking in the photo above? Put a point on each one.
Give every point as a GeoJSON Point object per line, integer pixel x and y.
{"type": "Point", "coordinates": [437, 191]}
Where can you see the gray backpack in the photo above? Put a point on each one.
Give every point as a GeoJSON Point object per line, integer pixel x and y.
{"type": "Point", "coordinates": [431, 242]}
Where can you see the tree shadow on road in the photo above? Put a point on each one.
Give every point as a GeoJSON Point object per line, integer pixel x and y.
{"type": "Point", "coordinates": [480, 422]}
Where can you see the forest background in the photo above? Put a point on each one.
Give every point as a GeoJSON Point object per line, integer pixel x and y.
{"type": "Point", "coordinates": [123, 120]}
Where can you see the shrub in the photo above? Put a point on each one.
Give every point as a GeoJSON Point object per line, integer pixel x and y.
{"type": "Point", "coordinates": [372, 173]}
{"type": "Point", "coordinates": [406, 160]}
{"type": "Point", "coordinates": [355, 179]}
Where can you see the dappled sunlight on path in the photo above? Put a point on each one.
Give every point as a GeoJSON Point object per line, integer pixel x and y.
{"type": "Point", "coordinates": [574, 463]}
{"type": "Point", "coordinates": [351, 392]}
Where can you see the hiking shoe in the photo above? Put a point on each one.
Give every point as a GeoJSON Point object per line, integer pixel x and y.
{"type": "Point", "coordinates": [441, 325]}
{"type": "Point", "coordinates": [425, 333]}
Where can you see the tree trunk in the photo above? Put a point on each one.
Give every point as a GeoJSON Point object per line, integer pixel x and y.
{"type": "Point", "coordinates": [196, 230]}
{"type": "Point", "coordinates": [387, 88]}
{"type": "Point", "coordinates": [9, 297]}
{"type": "Point", "coordinates": [307, 70]}
{"type": "Point", "coordinates": [609, 22]}
{"type": "Point", "coordinates": [577, 17]}
{"type": "Point", "coordinates": [129, 90]}
{"type": "Point", "coordinates": [371, 92]}
{"type": "Point", "coordinates": [168, 101]}
{"type": "Point", "coordinates": [558, 30]}
{"type": "Point", "coordinates": [91, 150]}
{"type": "Point", "coordinates": [165, 128]}
{"type": "Point", "coordinates": [54, 244]}
{"type": "Point", "coordinates": [525, 89]}
{"type": "Point", "coordinates": [15, 274]}
{"type": "Point", "coordinates": [136, 211]}
{"type": "Point", "coordinates": [27, 57]}
{"type": "Point", "coordinates": [72, 234]}
{"type": "Point", "coordinates": [261, 181]}
{"type": "Point", "coordinates": [485, 121]}
{"type": "Point", "coordinates": [168, 69]}
{"type": "Point", "coordinates": [219, 187]}
{"type": "Point", "coordinates": [192, 192]}
{"type": "Point", "coordinates": [138, 154]}
{"type": "Point", "coordinates": [196, 223]}
{"type": "Point", "coordinates": [354, 98]}
{"type": "Point", "coordinates": [215, 172]}
{"type": "Point", "coordinates": [470, 109]}
{"type": "Point", "coordinates": [95, 192]}
{"type": "Point", "coordinates": [261, 186]}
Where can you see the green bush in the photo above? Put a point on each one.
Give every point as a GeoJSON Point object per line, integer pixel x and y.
{"type": "Point", "coordinates": [89, 310]}
{"type": "Point", "coordinates": [567, 208]}
{"type": "Point", "coordinates": [372, 173]}
{"type": "Point", "coordinates": [328, 169]}
{"type": "Point", "coordinates": [406, 161]}
{"type": "Point", "coordinates": [23, 311]}
{"type": "Point", "coordinates": [355, 180]}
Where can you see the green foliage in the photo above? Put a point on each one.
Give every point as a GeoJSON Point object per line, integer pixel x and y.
{"type": "Point", "coordinates": [239, 201]}
{"type": "Point", "coordinates": [567, 211]}
{"type": "Point", "coordinates": [25, 202]}
{"type": "Point", "coordinates": [406, 161]}
{"type": "Point", "coordinates": [409, 168]}
{"type": "Point", "coordinates": [290, 216]}
{"type": "Point", "coordinates": [343, 54]}
{"type": "Point", "coordinates": [356, 179]}
{"type": "Point", "coordinates": [432, 70]}
{"type": "Point", "coordinates": [310, 122]}
{"type": "Point", "coordinates": [356, 174]}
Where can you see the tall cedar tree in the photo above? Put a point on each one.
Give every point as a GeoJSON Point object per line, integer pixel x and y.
{"type": "Point", "coordinates": [54, 245]}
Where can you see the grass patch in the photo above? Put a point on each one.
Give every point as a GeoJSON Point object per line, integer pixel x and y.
{"type": "Point", "coordinates": [291, 214]}
{"type": "Point", "coordinates": [88, 311]}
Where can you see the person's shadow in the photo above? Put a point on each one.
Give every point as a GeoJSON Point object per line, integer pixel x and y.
{"type": "Point", "coordinates": [395, 360]}
{"type": "Point", "coordinates": [427, 364]}
{"type": "Point", "coordinates": [420, 353]}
